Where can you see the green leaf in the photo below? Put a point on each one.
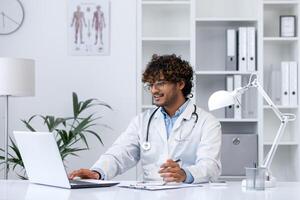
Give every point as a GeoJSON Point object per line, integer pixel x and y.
{"type": "Point", "coordinates": [75, 104]}
{"type": "Point", "coordinates": [95, 134]}
{"type": "Point", "coordinates": [27, 123]}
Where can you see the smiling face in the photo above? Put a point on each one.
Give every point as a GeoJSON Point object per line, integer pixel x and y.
{"type": "Point", "coordinates": [166, 94]}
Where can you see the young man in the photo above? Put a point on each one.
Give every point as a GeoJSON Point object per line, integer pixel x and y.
{"type": "Point", "coordinates": [177, 141]}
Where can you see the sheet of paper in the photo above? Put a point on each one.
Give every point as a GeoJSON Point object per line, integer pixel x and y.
{"type": "Point", "coordinates": [157, 185]}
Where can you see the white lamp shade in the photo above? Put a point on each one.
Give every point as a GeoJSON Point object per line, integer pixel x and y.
{"type": "Point", "coordinates": [17, 77]}
{"type": "Point", "coordinates": [221, 99]}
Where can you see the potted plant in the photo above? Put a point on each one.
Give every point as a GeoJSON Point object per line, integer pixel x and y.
{"type": "Point", "coordinates": [68, 132]}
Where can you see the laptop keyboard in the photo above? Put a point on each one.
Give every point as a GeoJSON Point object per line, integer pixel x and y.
{"type": "Point", "coordinates": [75, 182]}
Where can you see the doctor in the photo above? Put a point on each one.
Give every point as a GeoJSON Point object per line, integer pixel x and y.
{"type": "Point", "coordinates": [177, 141]}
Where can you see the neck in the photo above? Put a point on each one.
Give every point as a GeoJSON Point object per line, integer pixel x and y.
{"type": "Point", "coordinates": [171, 109]}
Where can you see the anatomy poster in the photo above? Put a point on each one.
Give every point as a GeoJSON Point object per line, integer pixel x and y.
{"type": "Point", "coordinates": [89, 27]}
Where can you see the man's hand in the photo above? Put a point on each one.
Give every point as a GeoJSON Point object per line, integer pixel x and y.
{"type": "Point", "coordinates": [84, 173]}
{"type": "Point", "coordinates": [171, 172]}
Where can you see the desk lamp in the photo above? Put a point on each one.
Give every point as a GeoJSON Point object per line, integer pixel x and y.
{"type": "Point", "coordinates": [224, 98]}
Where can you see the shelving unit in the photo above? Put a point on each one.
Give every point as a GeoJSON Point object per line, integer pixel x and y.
{"type": "Point", "coordinates": [196, 30]}
{"type": "Point", "coordinates": [276, 50]}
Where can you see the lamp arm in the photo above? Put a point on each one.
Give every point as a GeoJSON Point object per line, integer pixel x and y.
{"type": "Point", "coordinates": [283, 117]}
{"type": "Point", "coordinates": [271, 153]}
{"type": "Point", "coordinates": [260, 89]}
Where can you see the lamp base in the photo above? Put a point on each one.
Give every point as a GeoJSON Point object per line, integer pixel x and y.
{"type": "Point", "coordinates": [271, 183]}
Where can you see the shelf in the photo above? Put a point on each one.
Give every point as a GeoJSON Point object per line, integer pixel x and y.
{"type": "Point", "coordinates": [288, 143]}
{"type": "Point", "coordinates": [165, 3]}
{"type": "Point", "coordinates": [281, 39]}
{"type": "Point", "coordinates": [166, 39]}
{"type": "Point", "coordinates": [281, 107]}
{"type": "Point", "coordinates": [223, 72]}
{"type": "Point", "coordinates": [237, 120]}
{"type": "Point", "coordinates": [211, 19]}
{"type": "Point", "coordinates": [280, 3]}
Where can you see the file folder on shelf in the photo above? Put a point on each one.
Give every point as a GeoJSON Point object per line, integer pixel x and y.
{"type": "Point", "coordinates": [237, 107]}
{"type": "Point", "coordinates": [242, 49]}
{"type": "Point", "coordinates": [275, 85]}
{"type": "Point", "coordinates": [285, 100]}
{"type": "Point", "coordinates": [293, 92]}
{"type": "Point", "coordinates": [229, 110]}
{"type": "Point", "coordinates": [231, 56]}
{"type": "Point", "coordinates": [251, 49]}
{"type": "Point", "coordinates": [249, 99]}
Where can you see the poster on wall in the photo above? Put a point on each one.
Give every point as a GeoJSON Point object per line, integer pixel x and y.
{"type": "Point", "coordinates": [89, 27]}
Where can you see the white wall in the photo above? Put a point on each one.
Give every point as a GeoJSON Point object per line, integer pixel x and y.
{"type": "Point", "coordinates": [112, 78]}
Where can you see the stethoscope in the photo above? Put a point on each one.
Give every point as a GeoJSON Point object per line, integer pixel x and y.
{"type": "Point", "coordinates": [146, 145]}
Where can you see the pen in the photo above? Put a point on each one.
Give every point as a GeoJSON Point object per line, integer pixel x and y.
{"type": "Point", "coordinates": [177, 160]}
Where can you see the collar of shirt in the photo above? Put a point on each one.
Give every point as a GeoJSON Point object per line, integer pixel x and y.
{"type": "Point", "coordinates": [170, 121]}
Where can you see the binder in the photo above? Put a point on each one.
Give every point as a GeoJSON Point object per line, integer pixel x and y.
{"type": "Point", "coordinates": [249, 99]}
{"type": "Point", "coordinates": [231, 56]}
{"type": "Point", "coordinates": [285, 100]}
{"type": "Point", "coordinates": [237, 107]}
{"type": "Point", "coordinates": [229, 110]}
{"type": "Point", "coordinates": [275, 84]}
{"type": "Point", "coordinates": [251, 49]}
{"type": "Point", "coordinates": [293, 83]}
{"type": "Point", "coordinates": [242, 49]}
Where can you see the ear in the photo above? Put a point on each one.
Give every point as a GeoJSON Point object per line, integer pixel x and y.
{"type": "Point", "coordinates": [181, 85]}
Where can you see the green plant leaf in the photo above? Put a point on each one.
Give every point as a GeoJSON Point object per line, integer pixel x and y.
{"type": "Point", "coordinates": [68, 131]}
{"type": "Point", "coordinates": [96, 135]}
{"type": "Point", "coordinates": [75, 105]}
{"type": "Point", "coordinates": [27, 123]}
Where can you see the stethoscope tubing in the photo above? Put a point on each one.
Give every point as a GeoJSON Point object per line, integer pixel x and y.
{"type": "Point", "coordinates": [146, 145]}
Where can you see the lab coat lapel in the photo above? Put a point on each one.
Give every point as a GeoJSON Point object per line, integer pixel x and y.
{"type": "Point", "coordinates": [185, 117]}
{"type": "Point", "coordinates": [160, 126]}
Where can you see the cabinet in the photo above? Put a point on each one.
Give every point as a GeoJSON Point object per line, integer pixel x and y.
{"type": "Point", "coordinates": [196, 30]}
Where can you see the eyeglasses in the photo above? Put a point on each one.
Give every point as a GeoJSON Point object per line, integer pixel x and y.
{"type": "Point", "coordinates": [158, 85]}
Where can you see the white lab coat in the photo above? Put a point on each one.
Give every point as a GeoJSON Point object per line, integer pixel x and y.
{"type": "Point", "coordinates": [197, 145]}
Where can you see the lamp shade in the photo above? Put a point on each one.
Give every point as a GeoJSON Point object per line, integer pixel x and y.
{"type": "Point", "coordinates": [17, 77]}
{"type": "Point", "coordinates": [221, 99]}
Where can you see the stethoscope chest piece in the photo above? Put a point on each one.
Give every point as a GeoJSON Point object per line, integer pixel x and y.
{"type": "Point", "coordinates": [146, 146]}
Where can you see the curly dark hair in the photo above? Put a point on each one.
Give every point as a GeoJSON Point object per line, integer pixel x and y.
{"type": "Point", "coordinates": [172, 68]}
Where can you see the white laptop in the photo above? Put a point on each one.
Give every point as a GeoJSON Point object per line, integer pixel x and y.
{"type": "Point", "coordinates": [43, 162]}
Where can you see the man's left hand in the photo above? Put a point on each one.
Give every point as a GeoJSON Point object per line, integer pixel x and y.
{"type": "Point", "coordinates": [171, 172]}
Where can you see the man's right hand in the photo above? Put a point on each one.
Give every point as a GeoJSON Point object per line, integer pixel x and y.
{"type": "Point", "coordinates": [84, 174]}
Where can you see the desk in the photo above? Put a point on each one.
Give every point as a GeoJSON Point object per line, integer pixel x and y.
{"type": "Point", "coordinates": [18, 190]}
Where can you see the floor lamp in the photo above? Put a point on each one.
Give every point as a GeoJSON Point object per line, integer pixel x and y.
{"type": "Point", "coordinates": [17, 78]}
